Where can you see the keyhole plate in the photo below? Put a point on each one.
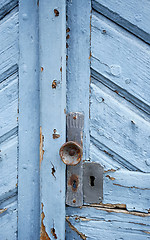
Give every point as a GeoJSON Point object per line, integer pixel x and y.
{"type": "Point", "coordinates": [92, 182]}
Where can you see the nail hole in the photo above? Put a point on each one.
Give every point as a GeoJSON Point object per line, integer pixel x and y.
{"type": "Point", "coordinates": [92, 180]}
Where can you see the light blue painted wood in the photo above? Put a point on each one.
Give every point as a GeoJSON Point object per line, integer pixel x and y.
{"type": "Point", "coordinates": [52, 46]}
{"type": "Point", "coordinates": [98, 223]}
{"type": "Point", "coordinates": [8, 118]}
{"type": "Point", "coordinates": [132, 15]}
{"type": "Point", "coordinates": [78, 64]}
{"type": "Point", "coordinates": [122, 60]}
{"type": "Point", "coordinates": [29, 128]}
{"type": "Point", "coordinates": [8, 221]}
{"type": "Point", "coordinates": [6, 6]}
{"type": "Point", "coordinates": [9, 44]}
{"type": "Point", "coordinates": [121, 131]}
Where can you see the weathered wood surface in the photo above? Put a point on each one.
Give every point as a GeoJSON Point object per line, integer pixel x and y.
{"type": "Point", "coordinates": [8, 118]}
{"type": "Point", "coordinates": [78, 63]}
{"type": "Point", "coordinates": [9, 44]}
{"type": "Point", "coordinates": [132, 15]}
{"type": "Point", "coordinates": [93, 223]}
{"type": "Point", "coordinates": [124, 133]}
{"type": "Point", "coordinates": [52, 43]}
{"type": "Point", "coordinates": [121, 60]}
{"type": "Point", "coordinates": [8, 221]}
{"type": "Point", "coordinates": [29, 124]}
{"type": "Point", "coordinates": [6, 6]}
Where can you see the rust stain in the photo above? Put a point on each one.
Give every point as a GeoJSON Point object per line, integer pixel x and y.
{"type": "Point", "coordinates": [53, 233]}
{"type": "Point", "coordinates": [41, 145]}
{"type": "Point", "coordinates": [67, 30]}
{"type": "Point", "coordinates": [56, 12]}
{"type": "Point", "coordinates": [110, 170]}
{"type": "Point", "coordinates": [103, 31]}
{"type": "Point", "coordinates": [54, 84]}
{"type": "Point", "coordinates": [67, 45]}
{"type": "Point", "coordinates": [42, 69]}
{"type": "Point", "coordinates": [73, 182]}
{"type": "Point", "coordinates": [38, 3]}
{"type": "Point", "coordinates": [3, 210]}
{"type": "Point", "coordinates": [61, 69]}
{"type": "Point", "coordinates": [108, 153]}
{"type": "Point", "coordinates": [43, 233]}
{"type": "Point", "coordinates": [75, 117]}
{"type": "Point", "coordinates": [116, 91]}
{"type": "Point", "coordinates": [111, 178]}
{"type": "Point", "coordinates": [146, 232]}
{"type": "Point", "coordinates": [68, 36]}
{"type": "Point", "coordinates": [65, 111]}
{"type": "Point", "coordinates": [55, 134]}
{"type": "Point", "coordinates": [90, 55]}
{"type": "Point", "coordinates": [74, 229]}
{"type": "Point", "coordinates": [66, 57]}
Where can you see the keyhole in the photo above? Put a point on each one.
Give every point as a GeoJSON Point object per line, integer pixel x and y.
{"type": "Point", "coordinates": [74, 184]}
{"type": "Point", "coordinates": [92, 179]}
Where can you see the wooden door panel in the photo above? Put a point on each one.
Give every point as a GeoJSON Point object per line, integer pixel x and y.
{"type": "Point", "coordinates": [9, 54]}
{"type": "Point", "coordinates": [132, 15]}
{"type": "Point", "coordinates": [119, 124]}
{"type": "Point", "coordinates": [97, 223]}
{"type": "Point", "coordinates": [122, 59]}
{"type": "Point", "coordinates": [121, 131]}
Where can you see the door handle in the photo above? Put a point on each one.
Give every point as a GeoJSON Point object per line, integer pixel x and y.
{"type": "Point", "coordinates": [71, 153]}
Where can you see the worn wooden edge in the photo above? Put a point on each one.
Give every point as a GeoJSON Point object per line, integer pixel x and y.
{"type": "Point", "coordinates": [52, 51]}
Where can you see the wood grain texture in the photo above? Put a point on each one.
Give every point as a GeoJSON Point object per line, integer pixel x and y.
{"type": "Point", "coordinates": [132, 15]}
{"type": "Point", "coordinates": [78, 63]}
{"type": "Point", "coordinates": [9, 41]}
{"type": "Point", "coordinates": [8, 118]}
{"type": "Point", "coordinates": [97, 223]}
{"type": "Point", "coordinates": [6, 6]}
{"type": "Point", "coordinates": [124, 133]}
{"type": "Point", "coordinates": [8, 165]}
{"type": "Point", "coordinates": [52, 32]}
{"type": "Point", "coordinates": [29, 127]}
{"type": "Point", "coordinates": [9, 104]}
{"type": "Point", "coordinates": [8, 221]}
{"type": "Point", "coordinates": [122, 59]}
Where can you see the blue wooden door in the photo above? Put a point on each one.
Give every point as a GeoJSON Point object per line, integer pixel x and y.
{"type": "Point", "coordinates": [83, 56]}
{"type": "Point", "coordinates": [116, 108]}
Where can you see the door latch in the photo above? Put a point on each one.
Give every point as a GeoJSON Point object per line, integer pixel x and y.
{"type": "Point", "coordinates": [71, 154]}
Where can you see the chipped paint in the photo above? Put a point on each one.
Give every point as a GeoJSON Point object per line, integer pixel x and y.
{"type": "Point", "coordinates": [74, 229]}
{"type": "Point", "coordinates": [54, 84]}
{"type": "Point", "coordinates": [56, 12]}
{"type": "Point", "coordinates": [43, 233]}
{"type": "Point", "coordinates": [55, 134]}
{"type": "Point", "coordinates": [41, 145]}
{"type": "Point", "coordinates": [3, 210]}
{"type": "Point", "coordinates": [111, 178]}
{"type": "Point", "coordinates": [53, 233]}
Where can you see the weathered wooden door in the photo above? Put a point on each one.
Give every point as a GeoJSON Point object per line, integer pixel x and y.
{"type": "Point", "coordinates": [83, 56]}
{"type": "Point", "coordinates": [117, 124]}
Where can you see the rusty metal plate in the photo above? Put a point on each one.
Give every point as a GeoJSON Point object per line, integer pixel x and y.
{"type": "Point", "coordinates": [74, 191]}
{"type": "Point", "coordinates": [92, 182]}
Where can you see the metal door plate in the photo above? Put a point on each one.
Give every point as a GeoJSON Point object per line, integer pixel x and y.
{"type": "Point", "coordinates": [92, 182]}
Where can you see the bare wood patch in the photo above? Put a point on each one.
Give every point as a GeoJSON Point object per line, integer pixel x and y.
{"type": "Point", "coordinates": [41, 145]}
{"type": "Point", "coordinates": [74, 229]}
{"type": "Point", "coordinates": [43, 233]}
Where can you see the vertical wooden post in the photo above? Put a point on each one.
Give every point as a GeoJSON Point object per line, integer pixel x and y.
{"type": "Point", "coordinates": [52, 48]}
{"type": "Point", "coordinates": [28, 161]}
